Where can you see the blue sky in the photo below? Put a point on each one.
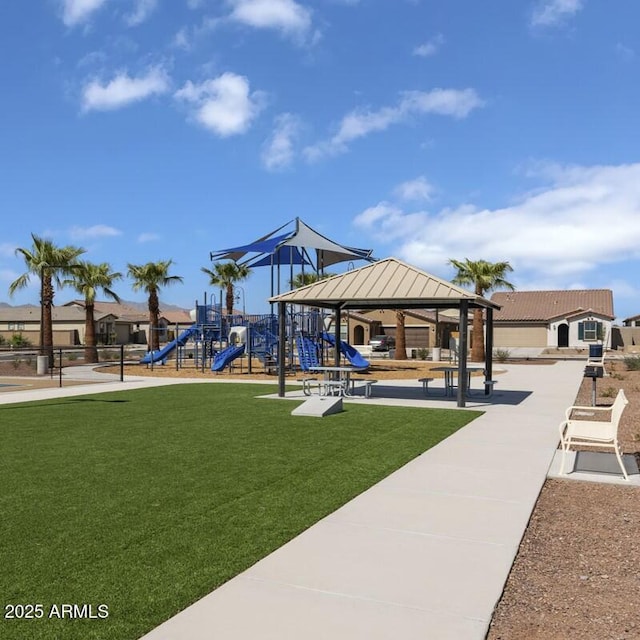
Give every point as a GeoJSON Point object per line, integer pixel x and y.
{"type": "Point", "coordinates": [146, 130]}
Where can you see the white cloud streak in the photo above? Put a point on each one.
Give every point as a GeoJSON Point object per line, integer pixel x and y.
{"type": "Point", "coordinates": [223, 105]}
{"type": "Point", "coordinates": [418, 189]}
{"type": "Point", "coordinates": [141, 11]}
{"type": "Point", "coordinates": [124, 90]}
{"type": "Point", "coordinates": [549, 13]}
{"type": "Point", "coordinates": [279, 150]}
{"type": "Point", "coordinates": [430, 47]}
{"type": "Point", "coordinates": [143, 238]}
{"type": "Point", "coordinates": [78, 11]}
{"type": "Point", "coordinates": [93, 232]}
{"type": "Point", "coordinates": [587, 217]}
{"type": "Point", "coordinates": [286, 16]}
{"type": "Point", "coordinates": [360, 123]}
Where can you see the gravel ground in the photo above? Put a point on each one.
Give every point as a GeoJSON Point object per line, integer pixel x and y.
{"type": "Point", "coordinates": [577, 573]}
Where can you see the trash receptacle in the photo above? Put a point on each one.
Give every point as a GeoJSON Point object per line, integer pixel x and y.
{"type": "Point", "coordinates": [595, 351]}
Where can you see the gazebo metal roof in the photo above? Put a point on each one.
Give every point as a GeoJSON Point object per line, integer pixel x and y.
{"type": "Point", "coordinates": [388, 283]}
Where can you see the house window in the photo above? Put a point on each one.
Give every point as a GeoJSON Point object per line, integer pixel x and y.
{"type": "Point", "coordinates": [589, 330]}
{"type": "Point", "coordinates": [16, 326]}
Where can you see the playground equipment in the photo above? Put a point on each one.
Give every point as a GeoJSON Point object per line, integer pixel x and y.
{"type": "Point", "coordinates": [348, 351]}
{"type": "Point", "coordinates": [215, 340]}
{"type": "Point", "coordinates": [161, 355]}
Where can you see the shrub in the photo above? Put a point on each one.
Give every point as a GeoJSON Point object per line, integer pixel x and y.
{"type": "Point", "coordinates": [72, 356]}
{"type": "Point", "coordinates": [608, 392]}
{"type": "Point", "coordinates": [18, 340]}
{"type": "Point", "coordinates": [423, 353]}
{"type": "Point", "coordinates": [501, 355]}
{"type": "Point", "coordinates": [632, 363]}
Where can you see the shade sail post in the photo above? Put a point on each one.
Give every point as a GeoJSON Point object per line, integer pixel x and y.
{"type": "Point", "coordinates": [282, 340]}
{"type": "Point", "coordinates": [462, 352]}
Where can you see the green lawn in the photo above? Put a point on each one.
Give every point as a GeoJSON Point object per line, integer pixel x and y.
{"type": "Point", "coordinates": [147, 500]}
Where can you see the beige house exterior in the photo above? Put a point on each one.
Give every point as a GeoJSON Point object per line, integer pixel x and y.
{"type": "Point", "coordinates": [420, 326]}
{"type": "Point", "coordinates": [68, 324]}
{"type": "Point", "coordinates": [114, 323]}
{"type": "Point", "coordinates": [553, 319]}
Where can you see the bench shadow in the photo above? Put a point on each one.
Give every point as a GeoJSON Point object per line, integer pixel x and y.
{"type": "Point", "coordinates": [502, 397]}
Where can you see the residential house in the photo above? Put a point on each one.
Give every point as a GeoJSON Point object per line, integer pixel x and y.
{"type": "Point", "coordinates": [68, 324]}
{"type": "Point", "coordinates": [420, 326]}
{"type": "Point", "coordinates": [571, 318]}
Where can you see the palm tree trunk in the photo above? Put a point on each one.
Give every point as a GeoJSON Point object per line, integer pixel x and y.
{"type": "Point", "coordinates": [90, 349]}
{"type": "Point", "coordinates": [477, 349]}
{"type": "Point", "coordinates": [47, 317]}
{"type": "Point", "coordinates": [401, 342]}
{"type": "Point", "coordinates": [229, 299]}
{"type": "Point", "coordinates": [154, 312]}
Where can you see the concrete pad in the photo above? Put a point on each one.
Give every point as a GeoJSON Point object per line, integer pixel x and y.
{"type": "Point", "coordinates": [407, 569]}
{"type": "Point", "coordinates": [455, 516]}
{"type": "Point", "coordinates": [249, 609]}
{"type": "Point", "coordinates": [318, 407]}
{"type": "Point", "coordinates": [596, 467]}
{"type": "Point", "coordinates": [448, 479]}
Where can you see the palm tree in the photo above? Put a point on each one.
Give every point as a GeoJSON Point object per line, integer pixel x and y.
{"type": "Point", "coordinates": [483, 276]}
{"type": "Point", "coordinates": [87, 281]}
{"type": "Point", "coordinates": [225, 275]}
{"type": "Point", "coordinates": [49, 263]}
{"type": "Point", "coordinates": [401, 340]}
{"type": "Point", "coordinates": [150, 278]}
{"type": "Point", "coordinates": [302, 279]}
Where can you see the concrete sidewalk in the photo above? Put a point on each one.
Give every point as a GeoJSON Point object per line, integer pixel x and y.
{"type": "Point", "coordinates": [423, 554]}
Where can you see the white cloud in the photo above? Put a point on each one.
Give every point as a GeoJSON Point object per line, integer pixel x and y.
{"type": "Point", "coordinates": [223, 105]}
{"type": "Point", "coordinates": [76, 11]}
{"type": "Point", "coordinates": [93, 232]}
{"type": "Point", "coordinates": [124, 90]}
{"type": "Point", "coordinates": [549, 13]}
{"type": "Point", "coordinates": [148, 237]}
{"type": "Point", "coordinates": [359, 123]}
{"type": "Point", "coordinates": [286, 16]}
{"type": "Point", "coordinates": [430, 47]}
{"type": "Point", "coordinates": [141, 11]}
{"type": "Point", "coordinates": [279, 150]}
{"type": "Point", "coordinates": [587, 217]}
{"type": "Point", "coordinates": [418, 189]}
{"type": "Point", "coordinates": [181, 39]}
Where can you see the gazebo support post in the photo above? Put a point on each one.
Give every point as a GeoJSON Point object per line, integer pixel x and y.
{"type": "Point", "coordinates": [488, 369]}
{"type": "Point", "coordinates": [282, 341]}
{"type": "Point", "coordinates": [462, 352]}
{"type": "Point", "coordinates": [336, 334]}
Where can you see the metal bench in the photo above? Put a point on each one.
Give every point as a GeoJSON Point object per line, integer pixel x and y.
{"type": "Point", "coordinates": [367, 383]}
{"type": "Point", "coordinates": [307, 384]}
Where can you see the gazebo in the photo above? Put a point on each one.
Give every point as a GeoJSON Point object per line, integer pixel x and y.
{"type": "Point", "coordinates": [389, 284]}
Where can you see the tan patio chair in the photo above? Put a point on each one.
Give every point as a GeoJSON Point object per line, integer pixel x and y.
{"type": "Point", "coordinates": [593, 433]}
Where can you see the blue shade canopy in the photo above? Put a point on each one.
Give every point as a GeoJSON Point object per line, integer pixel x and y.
{"type": "Point", "coordinates": [302, 245]}
{"type": "Point", "coordinates": [282, 255]}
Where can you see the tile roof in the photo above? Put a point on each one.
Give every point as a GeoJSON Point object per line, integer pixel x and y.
{"type": "Point", "coordinates": [543, 306]}
{"type": "Point", "coordinates": [32, 314]}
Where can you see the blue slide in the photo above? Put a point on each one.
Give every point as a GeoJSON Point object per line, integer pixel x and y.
{"type": "Point", "coordinates": [224, 357]}
{"type": "Point", "coordinates": [349, 352]}
{"type": "Point", "coordinates": [161, 355]}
